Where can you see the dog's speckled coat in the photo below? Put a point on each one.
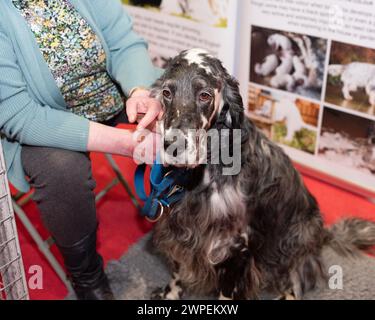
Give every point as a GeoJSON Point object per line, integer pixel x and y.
{"type": "Point", "coordinates": [141, 270]}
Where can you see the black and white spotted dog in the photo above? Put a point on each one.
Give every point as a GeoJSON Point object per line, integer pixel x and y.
{"type": "Point", "coordinates": [236, 235]}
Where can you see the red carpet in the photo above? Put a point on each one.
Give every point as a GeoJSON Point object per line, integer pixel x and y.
{"type": "Point", "coordinates": [120, 225]}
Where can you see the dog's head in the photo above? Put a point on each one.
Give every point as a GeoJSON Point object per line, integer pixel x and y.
{"type": "Point", "coordinates": [193, 91]}
{"type": "Point", "coordinates": [335, 70]}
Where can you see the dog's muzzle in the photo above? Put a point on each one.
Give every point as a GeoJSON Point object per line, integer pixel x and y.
{"type": "Point", "coordinates": [182, 149]}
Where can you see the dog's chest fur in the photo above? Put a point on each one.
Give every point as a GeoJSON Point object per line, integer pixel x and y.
{"type": "Point", "coordinates": [217, 225]}
{"type": "Point", "coordinates": [225, 200]}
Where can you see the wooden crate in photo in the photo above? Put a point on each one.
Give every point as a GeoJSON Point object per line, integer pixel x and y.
{"type": "Point", "coordinates": [309, 111]}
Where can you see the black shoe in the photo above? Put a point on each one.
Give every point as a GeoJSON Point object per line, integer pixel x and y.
{"type": "Point", "coordinates": [85, 269]}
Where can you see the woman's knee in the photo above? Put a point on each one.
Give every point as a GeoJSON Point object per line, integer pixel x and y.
{"type": "Point", "coordinates": [64, 194]}
{"type": "Point", "coordinates": [57, 168]}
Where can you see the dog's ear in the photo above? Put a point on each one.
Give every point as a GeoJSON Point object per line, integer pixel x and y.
{"type": "Point", "coordinates": [232, 100]}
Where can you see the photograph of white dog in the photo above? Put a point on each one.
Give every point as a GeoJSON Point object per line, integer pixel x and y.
{"type": "Point", "coordinates": [211, 12]}
{"type": "Point", "coordinates": [286, 120]}
{"type": "Point", "coordinates": [288, 61]}
{"type": "Point", "coordinates": [351, 77]}
{"type": "Point", "coordinates": [348, 140]}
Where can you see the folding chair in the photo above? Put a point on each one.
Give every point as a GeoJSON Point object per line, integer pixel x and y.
{"type": "Point", "coordinates": [20, 199]}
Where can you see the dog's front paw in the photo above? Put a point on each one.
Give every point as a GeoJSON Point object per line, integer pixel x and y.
{"type": "Point", "coordinates": [158, 294]}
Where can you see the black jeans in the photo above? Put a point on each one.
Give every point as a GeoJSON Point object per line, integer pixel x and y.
{"type": "Point", "coordinates": [64, 189]}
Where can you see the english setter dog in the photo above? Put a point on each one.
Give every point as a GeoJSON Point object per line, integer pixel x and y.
{"type": "Point", "coordinates": [237, 235]}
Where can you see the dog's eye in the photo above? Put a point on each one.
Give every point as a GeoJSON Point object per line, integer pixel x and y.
{"type": "Point", "coordinates": [167, 94]}
{"type": "Point", "coordinates": [204, 97]}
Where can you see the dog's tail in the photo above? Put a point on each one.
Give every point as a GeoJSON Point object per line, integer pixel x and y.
{"type": "Point", "coordinates": [351, 236]}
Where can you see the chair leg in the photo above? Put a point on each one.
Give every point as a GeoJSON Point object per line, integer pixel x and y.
{"type": "Point", "coordinates": [24, 199]}
{"type": "Point", "coordinates": [42, 245]}
{"type": "Point", "coordinates": [123, 181]}
{"type": "Point", "coordinates": [106, 189]}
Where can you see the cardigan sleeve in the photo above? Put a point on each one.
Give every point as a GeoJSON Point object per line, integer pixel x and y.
{"type": "Point", "coordinates": [24, 120]}
{"type": "Point", "coordinates": [131, 63]}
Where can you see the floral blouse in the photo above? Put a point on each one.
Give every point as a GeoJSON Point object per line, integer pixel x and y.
{"type": "Point", "coordinates": [75, 57]}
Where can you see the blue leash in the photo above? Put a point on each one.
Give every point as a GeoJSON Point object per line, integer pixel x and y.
{"type": "Point", "coordinates": [167, 188]}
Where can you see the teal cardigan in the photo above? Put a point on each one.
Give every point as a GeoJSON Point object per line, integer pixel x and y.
{"type": "Point", "coordinates": [32, 109]}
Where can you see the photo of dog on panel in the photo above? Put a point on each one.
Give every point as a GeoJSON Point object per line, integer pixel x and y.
{"type": "Point", "coordinates": [284, 119]}
{"type": "Point", "coordinates": [236, 235]}
{"type": "Point", "coordinates": [348, 140]}
{"type": "Point", "coordinates": [288, 61]}
{"type": "Point", "coordinates": [351, 78]}
{"type": "Point", "coordinates": [211, 12]}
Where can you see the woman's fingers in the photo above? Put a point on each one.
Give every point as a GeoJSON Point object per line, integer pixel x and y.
{"type": "Point", "coordinates": [131, 110]}
{"type": "Point", "coordinates": [160, 116]}
{"type": "Point", "coordinates": [151, 114]}
{"type": "Point", "coordinates": [153, 126]}
{"type": "Point", "coordinates": [135, 106]}
{"type": "Point", "coordinates": [141, 105]}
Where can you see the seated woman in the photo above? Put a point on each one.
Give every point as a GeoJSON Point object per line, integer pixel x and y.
{"type": "Point", "coordinates": [65, 68]}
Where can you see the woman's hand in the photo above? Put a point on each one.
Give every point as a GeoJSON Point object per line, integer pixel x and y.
{"type": "Point", "coordinates": [140, 102]}
{"type": "Point", "coordinates": [141, 145]}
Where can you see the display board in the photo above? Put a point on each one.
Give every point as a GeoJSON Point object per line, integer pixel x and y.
{"type": "Point", "coordinates": [310, 83]}
{"type": "Point", "coordinates": [306, 68]}
{"type": "Point", "coordinates": [171, 26]}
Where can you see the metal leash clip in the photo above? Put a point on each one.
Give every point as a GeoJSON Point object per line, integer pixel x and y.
{"type": "Point", "coordinates": [166, 189]}
{"type": "Point", "coordinates": [159, 214]}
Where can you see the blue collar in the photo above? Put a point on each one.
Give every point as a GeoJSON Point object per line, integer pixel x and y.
{"type": "Point", "coordinates": [167, 187]}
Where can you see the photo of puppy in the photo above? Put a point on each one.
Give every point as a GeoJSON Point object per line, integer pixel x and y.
{"type": "Point", "coordinates": [292, 122]}
{"type": "Point", "coordinates": [351, 78]}
{"type": "Point", "coordinates": [348, 140]}
{"type": "Point", "coordinates": [211, 12]}
{"type": "Point", "coordinates": [288, 61]}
